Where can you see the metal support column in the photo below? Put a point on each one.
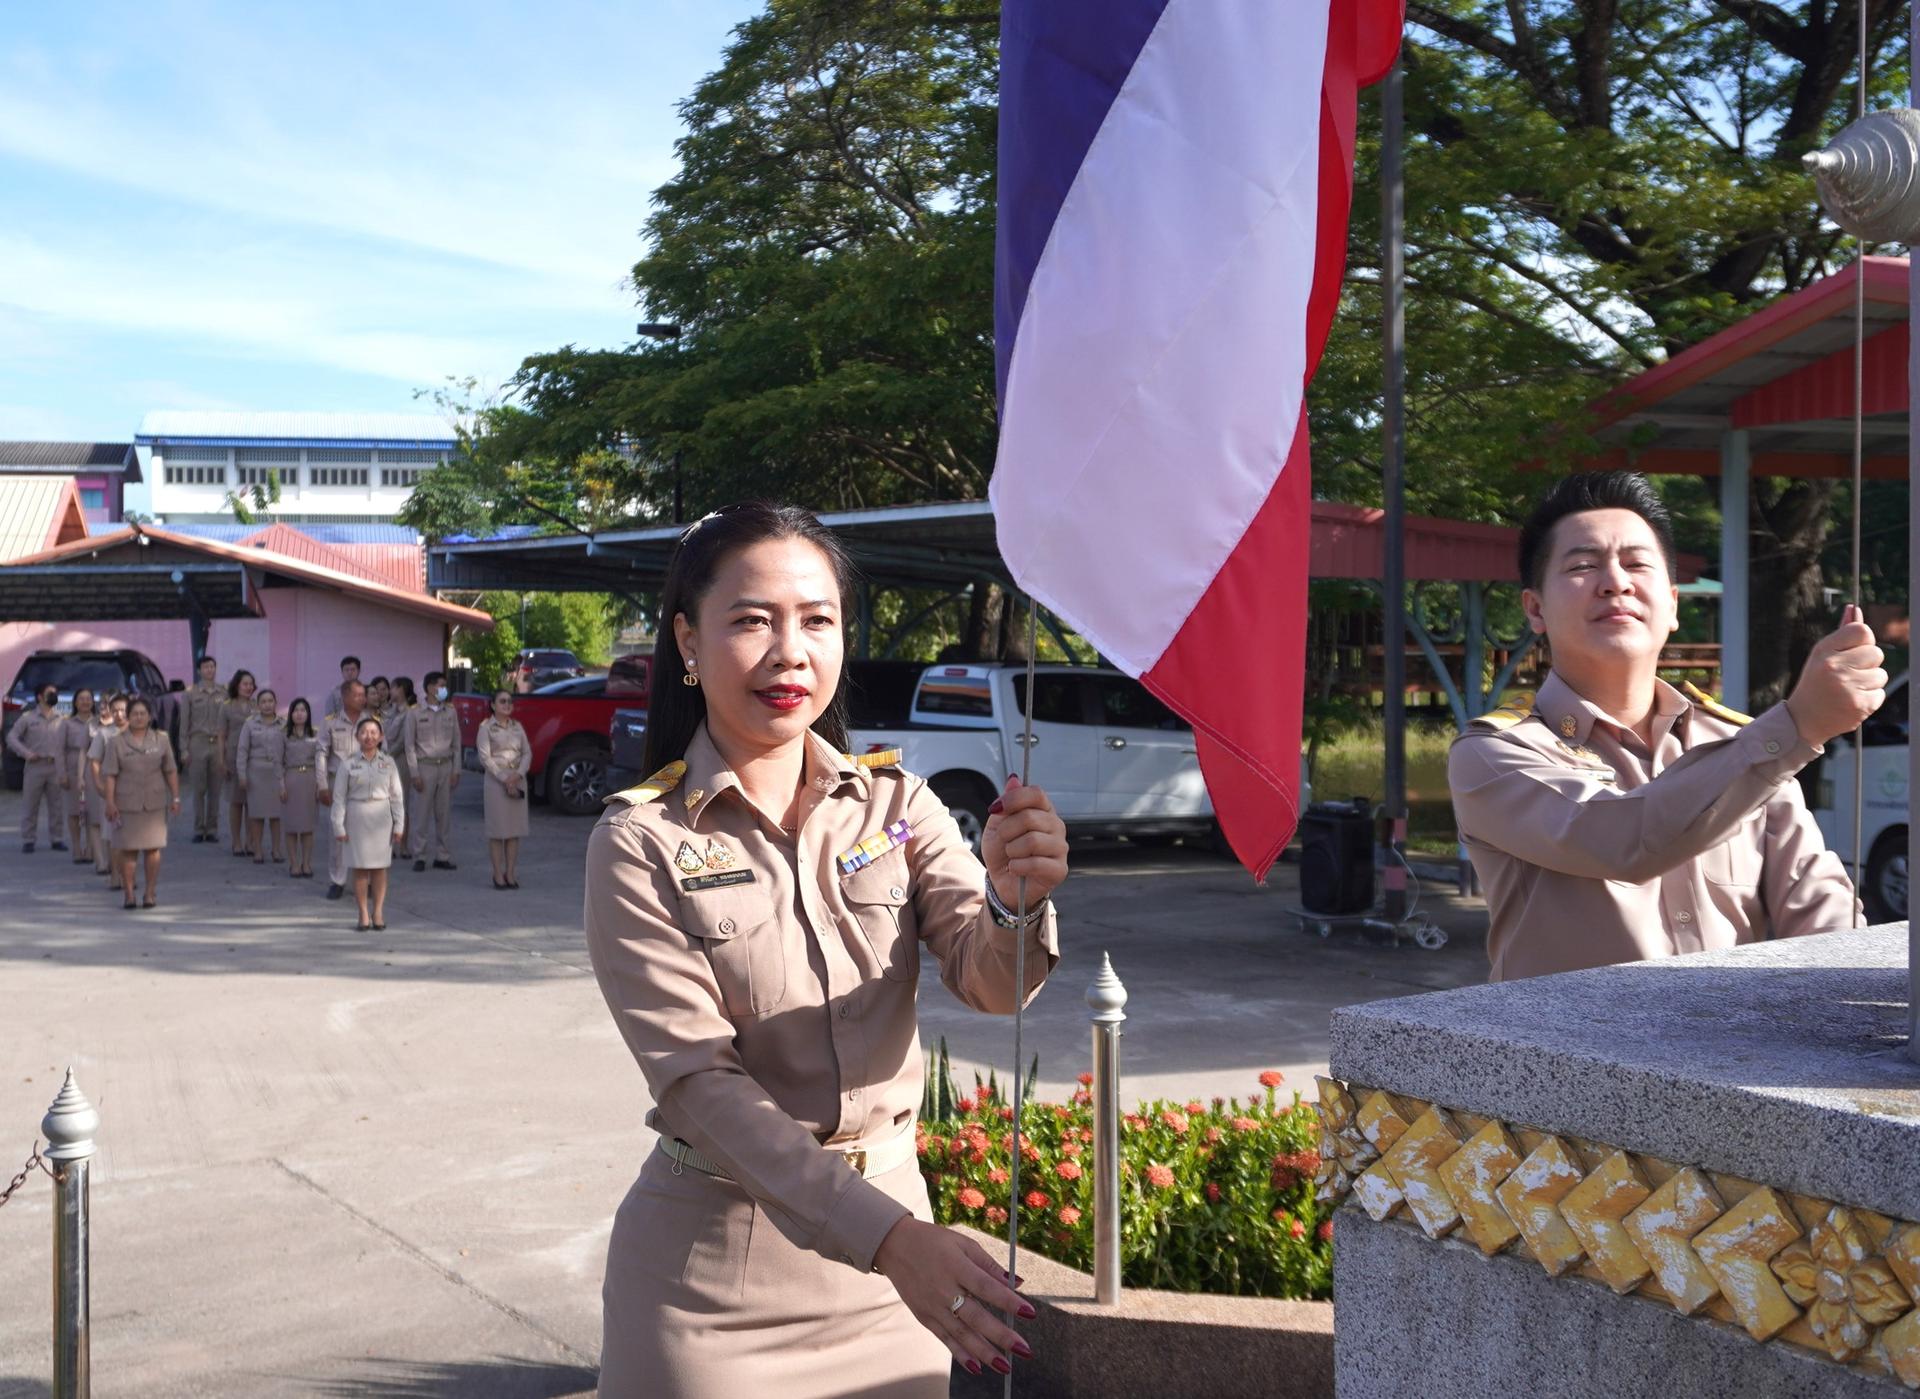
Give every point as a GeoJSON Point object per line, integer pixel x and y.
{"type": "Point", "coordinates": [1107, 997]}
{"type": "Point", "coordinates": [69, 1127]}
{"type": "Point", "coordinates": [1736, 471]}
{"type": "Point", "coordinates": [1393, 487]}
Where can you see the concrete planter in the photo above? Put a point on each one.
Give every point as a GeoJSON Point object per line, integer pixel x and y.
{"type": "Point", "coordinates": [1167, 1344]}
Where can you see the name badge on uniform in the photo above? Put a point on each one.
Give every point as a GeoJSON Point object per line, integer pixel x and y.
{"type": "Point", "coordinates": [717, 881]}
{"type": "Point", "coordinates": [876, 845]}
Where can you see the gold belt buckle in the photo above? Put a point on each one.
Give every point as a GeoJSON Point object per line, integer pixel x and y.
{"type": "Point", "coordinates": [857, 1158]}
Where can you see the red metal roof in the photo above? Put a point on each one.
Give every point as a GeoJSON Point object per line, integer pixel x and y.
{"type": "Point", "coordinates": [287, 565]}
{"type": "Point", "coordinates": [1347, 543]}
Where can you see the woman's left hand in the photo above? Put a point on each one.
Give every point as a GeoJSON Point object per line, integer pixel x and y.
{"type": "Point", "coordinates": [1025, 839]}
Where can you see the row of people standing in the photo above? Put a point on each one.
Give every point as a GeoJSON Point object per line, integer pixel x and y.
{"type": "Point", "coordinates": [282, 778]}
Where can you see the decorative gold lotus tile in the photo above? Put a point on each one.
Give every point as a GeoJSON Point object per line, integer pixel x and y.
{"type": "Point", "coordinates": [1796, 1269]}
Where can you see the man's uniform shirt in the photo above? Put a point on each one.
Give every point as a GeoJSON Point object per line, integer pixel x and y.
{"type": "Point", "coordinates": [206, 701]}
{"type": "Point", "coordinates": [1594, 848]}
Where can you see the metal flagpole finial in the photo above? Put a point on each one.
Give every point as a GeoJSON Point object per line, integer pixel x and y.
{"type": "Point", "coordinates": [1106, 995]}
{"type": "Point", "coordinates": [1869, 178]}
{"type": "Point", "coordinates": [70, 1124]}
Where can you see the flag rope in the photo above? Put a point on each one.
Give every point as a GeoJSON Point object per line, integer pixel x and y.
{"type": "Point", "coordinates": [1859, 406]}
{"type": "Point", "coordinates": [1020, 988]}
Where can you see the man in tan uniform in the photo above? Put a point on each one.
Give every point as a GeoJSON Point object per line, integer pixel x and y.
{"type": "Point", "coordinates": [337, 744]}
{"type": "Point", "coordinates": [204, 761]}
{"type": "Point", "coordinates": [39, 737]}
{"type": "Point", "coordinates": [433, 757]}
{"type": "Point", "coordinates": [336, 697]}
{"type": "Point", "coordinates": [1613, 818]}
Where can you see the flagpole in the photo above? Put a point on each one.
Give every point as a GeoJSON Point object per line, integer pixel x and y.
{"type": "Point", "coordinates": [1020, 985]}
{"type": "Point", "coordinates": [1393, 485]}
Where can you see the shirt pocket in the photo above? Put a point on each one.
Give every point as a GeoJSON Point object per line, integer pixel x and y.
{"type": "Point", "coordinates": [742, 939]}
{"type": "Point", "coordinates": [1737, 861]}
{"type": "Point", "coordinates": [878, 897]}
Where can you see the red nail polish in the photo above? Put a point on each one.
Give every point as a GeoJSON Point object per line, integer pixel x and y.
{"type": "Point", "coordinates": [1013, 779]}
{"type": "Point", "coordinates": [997, 808]}
{"type": "Point", "coordinates": [1023, 1350]}
{"type": "Point", "coordinates": [1026, 1313]}
{"type": "Point", "coordinates": [1002, 1366]}
{"type": "Point", "coordinates": [973, 1366]}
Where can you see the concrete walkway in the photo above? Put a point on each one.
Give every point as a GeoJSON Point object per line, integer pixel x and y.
{"type": "Point", "coordinates": [341, 1163]}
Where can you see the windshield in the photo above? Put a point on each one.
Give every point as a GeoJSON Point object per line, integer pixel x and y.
{"type": "Point", "coordinates": [69, 673]}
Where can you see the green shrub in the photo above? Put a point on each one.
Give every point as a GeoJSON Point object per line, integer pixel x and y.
{"type": "Point", "coordinates": [1213, 1198]}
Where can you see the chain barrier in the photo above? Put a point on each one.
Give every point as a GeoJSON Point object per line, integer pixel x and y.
{"type": "Point", "coordinates": [32, 1161]}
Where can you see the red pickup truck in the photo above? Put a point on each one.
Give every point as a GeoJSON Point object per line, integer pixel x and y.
{"type": "Point", "coordinates": [567, 723]}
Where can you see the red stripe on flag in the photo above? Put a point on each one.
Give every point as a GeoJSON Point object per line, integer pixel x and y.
{"type": "Point", "coordinates": [1236, 670]}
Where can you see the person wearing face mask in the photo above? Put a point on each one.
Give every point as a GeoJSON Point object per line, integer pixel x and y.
{"type": "Point", "coordinates": [39, 737]}
{"type": "Point", "coordinates": [77, 735]}
{"type": "Point", "coordinates": [433, 756]}
{"type": "Point", "coordinates": [1612, 817]}
{"type": "Point", "coordinates": [759, 913]}
{"type": "Point", "coordinates": [263, 761]}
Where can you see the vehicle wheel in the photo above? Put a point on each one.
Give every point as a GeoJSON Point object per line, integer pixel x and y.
{"type": "Point", "coordinates": [968, 806]}
{"type": "Point", "coordinates": [576, 778]}
{"type": "Point", "coordinates": [1885, 894]}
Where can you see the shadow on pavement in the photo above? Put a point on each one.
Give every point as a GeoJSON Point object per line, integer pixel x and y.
{"type": "Point", "coordinates": [501, 1378]}
{"type": "Point", "coordinates": [19, 1387]}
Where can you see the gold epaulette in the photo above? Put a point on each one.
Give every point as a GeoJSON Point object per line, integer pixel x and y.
{"type": "Point", "coordinates": [1712, 705]}
{"type": "Point", "coordinates": [1507, 715]}
{"type": "Point", "coordinates": [886, 758]}
{"type": "Point", "coordinates": [654, 788]}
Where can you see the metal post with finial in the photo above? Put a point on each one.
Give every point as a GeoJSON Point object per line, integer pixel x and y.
{"type": "Point", "coordinates": [1107, 997]}
{"type": "Point", "coordinates": [69, 1127]}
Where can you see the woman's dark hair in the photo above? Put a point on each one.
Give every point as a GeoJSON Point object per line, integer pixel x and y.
{"type": "Point", "coordinates": [366, 719]}
{"type": "Point", "coordinates": [1592, 490]}
{"type": "Point", "coordinates": [259, 695]}
{"type": "Point", "coordinates": [676, 710]}
{"type": "Point", "coordinates": [499, 695]}
{"type": "Point", "coordinates": [306, 723]}
{"type": "Point", "coordinates": [83, 690]}
{"type": "Point", "coordinates": [233, 685]}
{"type": "Point", "coordinates": [139, 702]}
{"type": "Point", "coordinates": [405, 686]}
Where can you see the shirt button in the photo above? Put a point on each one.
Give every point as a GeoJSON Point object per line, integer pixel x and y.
{"type": "Point", "coordinates": [845, 1010]}
{"type": "Point", "coordinates": [823, 782]}
{"type": "Point", "coordinates": [1773, 745]}
{"type": "Point", "coordinates": [726, 925]}
{"type": "Point", "coordinates": [896, 892]}
{"type": "Point", "coordinates": [853, 1093]}
{"type": "Point", "coordinates": [1685, 917]}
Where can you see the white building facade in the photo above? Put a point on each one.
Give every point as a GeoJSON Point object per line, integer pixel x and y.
{"type": "Point", "coordinates": [333, 468]}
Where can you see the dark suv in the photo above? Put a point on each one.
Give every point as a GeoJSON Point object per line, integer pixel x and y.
{"type": "Point", "coordinates": [99, 671]}
{"type": "Point", "coordinates": [531, 669]}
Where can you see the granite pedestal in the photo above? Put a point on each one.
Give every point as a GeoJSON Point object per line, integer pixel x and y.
{"type": "Point", "coordinates": [1696, 1176]}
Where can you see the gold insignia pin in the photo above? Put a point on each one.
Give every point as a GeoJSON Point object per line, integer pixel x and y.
{"type": "Point", "coordinates": [1569, 726]}
{"type": "Point", "coordinates": [693, 796]}
{"type": "Point", "coordinates": [688, 860]}
{"type": "Point", "coordinates": [718, 856]}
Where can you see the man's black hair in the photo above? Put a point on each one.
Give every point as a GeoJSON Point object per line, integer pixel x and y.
{"type": "Point", "coordinates": [1592, 490]}
{"type": "Point", "coordinates": [346, 661]}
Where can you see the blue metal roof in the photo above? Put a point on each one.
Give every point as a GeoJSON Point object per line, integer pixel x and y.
{"type": "Point", "coordinates": [399, 431]}
{"type": "Point", "coordinates": [323, 534]}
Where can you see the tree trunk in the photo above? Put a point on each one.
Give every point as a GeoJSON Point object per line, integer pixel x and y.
{"type": "Point", "coordinates": [1788, 611]}
{"type": "Point", "coordinates": [985, 611]}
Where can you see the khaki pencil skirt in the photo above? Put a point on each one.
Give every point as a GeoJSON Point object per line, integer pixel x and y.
{"type": "Point", "coordinates": [705, 1298]}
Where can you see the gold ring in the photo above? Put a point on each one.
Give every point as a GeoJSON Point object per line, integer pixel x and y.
{"type": "Point", "coordinates": [959, 1301]}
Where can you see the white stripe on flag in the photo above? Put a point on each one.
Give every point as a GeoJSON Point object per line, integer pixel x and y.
{"type": "Point", "coordinates": [1159, 368]}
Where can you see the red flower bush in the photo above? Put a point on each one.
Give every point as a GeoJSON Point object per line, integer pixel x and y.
{"type": "Point", "coordinates": [1068, 1170]}
{"type": "Point", "coordinates": [1160, 1177]}
{"type": "Point", "coordinates": [969, 1198]}
{"type": "Point", "coordinates": [1069, 1216]}
{"type": "Point", "coordinates": [1035, 1200]}
{"type": "Point", "coordinates": [1272, 1078]}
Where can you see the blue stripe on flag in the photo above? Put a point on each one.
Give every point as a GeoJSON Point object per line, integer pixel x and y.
{"type": "Point", "coordinates": [1061, 64]}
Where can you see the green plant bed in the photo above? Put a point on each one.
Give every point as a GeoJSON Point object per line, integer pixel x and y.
{"type": "Point", "coordinates": [1213, 1197]}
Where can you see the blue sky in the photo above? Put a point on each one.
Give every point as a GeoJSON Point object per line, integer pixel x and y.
{"type": "Point", "coordinates": [271, 206]}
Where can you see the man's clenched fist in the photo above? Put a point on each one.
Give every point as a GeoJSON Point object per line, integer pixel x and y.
{"type": "Point", "coordinates": [1843, 682]}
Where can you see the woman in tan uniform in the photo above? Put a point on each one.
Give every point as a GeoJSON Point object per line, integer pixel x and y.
{"type": "Point", "coordinates": [370, 815]}
{"type": "Point", "coordinates": [505, 756]}
{"type": "Point", "coordinates": [756, 913]}
{"type": "Point", "coordinates": [113, 721]}
{"type": "Point", "coordinates": [143, 790]}
{"type": "Point", "coordinates": [263, 761]}
{"type": "Point", "coordinates": [78, 735]}
{"type": "Point", "coordinates": [400, 700]}
{"type": "Point", "coordinates": [300, 784]}
{"type": "Point", "coordinates": [233, 719]}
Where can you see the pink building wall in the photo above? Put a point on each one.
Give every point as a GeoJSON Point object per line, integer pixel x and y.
{"type": "Point", "coordinates": [295, 648]}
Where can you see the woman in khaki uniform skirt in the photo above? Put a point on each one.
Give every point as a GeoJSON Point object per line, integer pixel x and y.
{"type": "Point", "coordinates": [78, 733]}
{"type": "Point", "coordinates": [756, 913]}
{"type": "Point", "coordinates": [143, 790]}
{"type": "Point", "coordinates": [370, 815]}
{"type": "Point", "coordinates": [263, 762]}
{"type": "Point", "coordinates": [233, 719]}
{"type": "Point", "coordinates": [505, 757]}
{"type": "Point", "coordinates": [300, 787]}
{"type": "Point", "coordinates": [113, 721]}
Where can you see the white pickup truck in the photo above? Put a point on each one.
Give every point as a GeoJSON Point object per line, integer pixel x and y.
{"type": "Point", "coordinates": [1114, 759]}
{"type": "Point", "coordinates": [1884, 812]}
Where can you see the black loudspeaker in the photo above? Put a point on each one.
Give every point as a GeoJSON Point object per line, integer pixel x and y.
{"type": "Point", "coordinates": [1336, 857]}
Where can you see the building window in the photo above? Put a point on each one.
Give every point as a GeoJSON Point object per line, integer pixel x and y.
{"type": "Point", "coordinates": [408, 476]}
{"type": "Point", "coordinates": [218, 454]}
{"type": "Point", "coordinates": [178, 475]}
{"type": "Point", "coordinates": [338, 475]}
{"type": "Point", "coordinates": [340, 454]}
{"type": "Point", "coordinates": [93, 497]}
{"type": "Point", "coordinates": [412, 457]}
{"type": "Point", "coordinates": [258, 475]}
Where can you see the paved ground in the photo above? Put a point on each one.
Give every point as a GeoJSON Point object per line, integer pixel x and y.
{"type": "Point", "coordinates": [336, 1163]}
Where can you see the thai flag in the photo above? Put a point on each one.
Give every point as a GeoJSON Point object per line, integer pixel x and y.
{"type": "Point", "coordinates": [1175, 177]}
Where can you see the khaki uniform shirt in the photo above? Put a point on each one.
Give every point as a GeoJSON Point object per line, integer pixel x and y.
{"type": "Point", "coordinates": [768, 993]}
{"type": "Point", "coordinates": [332, 703]}
{"type": "Point", "coordinates": [38, 737]}
{"type": "Point", "coordinates": [205, 704]}
{"type": "Point", "coordinates": [1594, 849]}
{"type": "Point", "coordinates": [103, 734]}
{"type": "Point", "coordinates": [263, 745]}
{"type": "Point", "coordinates": [233, 718]}
{"type": "Point", "coordinates": [433, 731]}
{"type": "Point", "coordinates": [139, 768]}
{"type": "Point", "coordinates": [337, 744]}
